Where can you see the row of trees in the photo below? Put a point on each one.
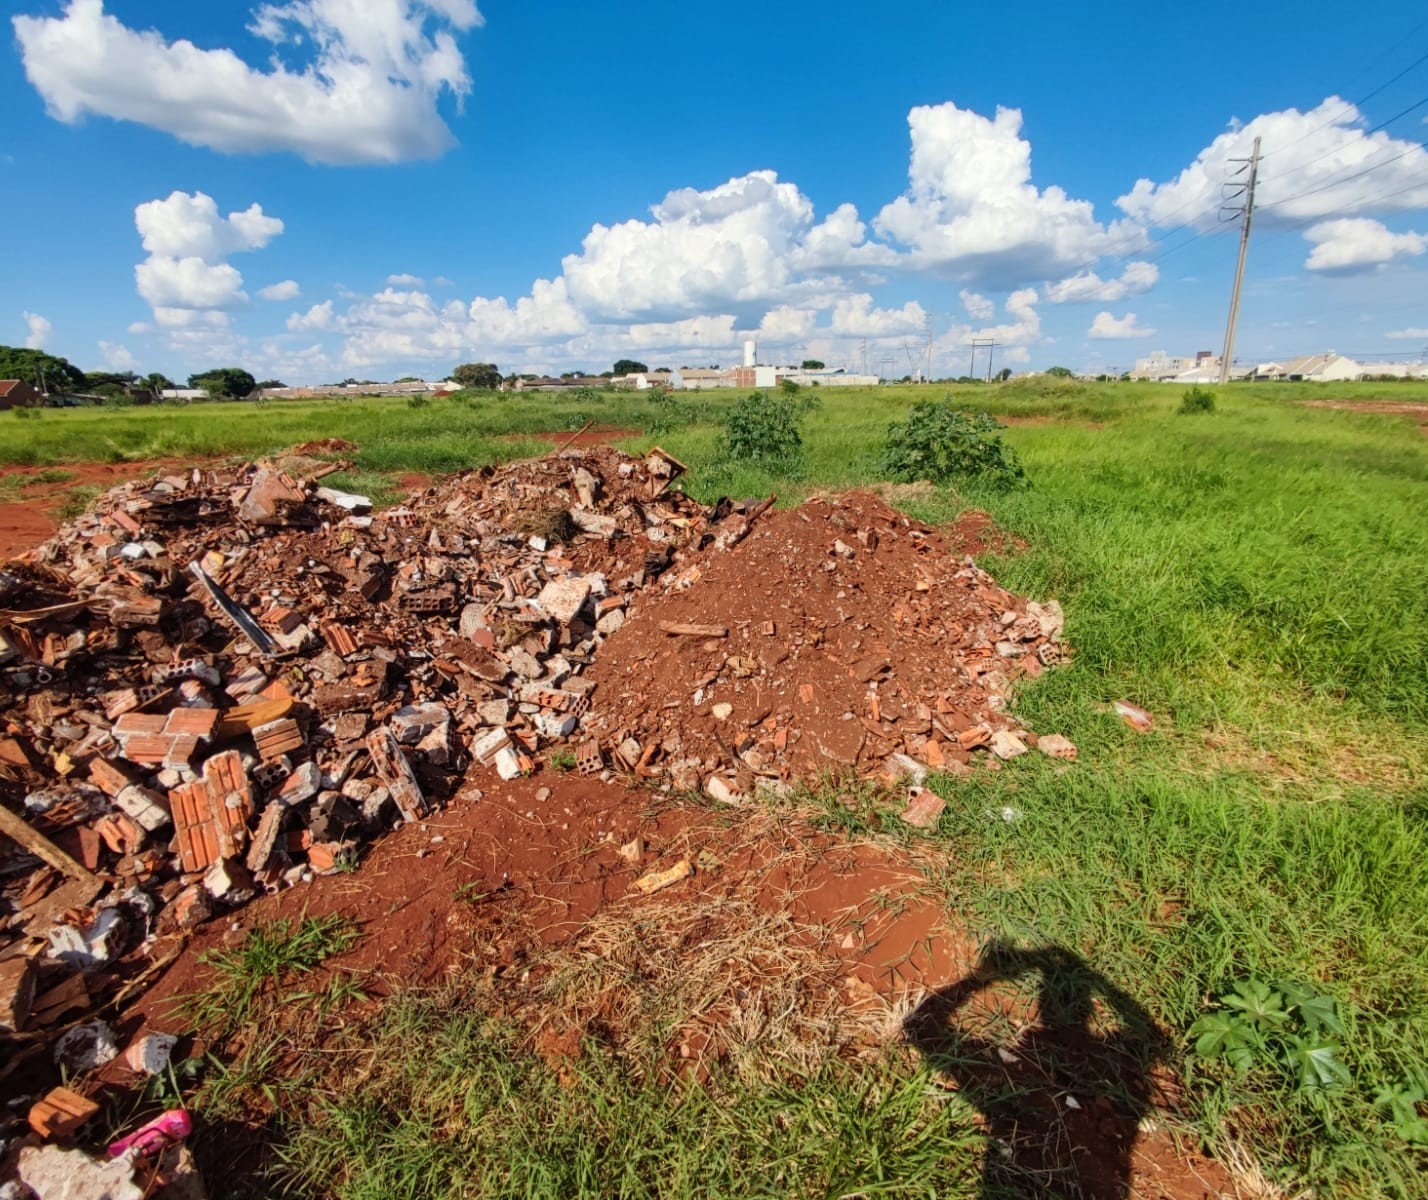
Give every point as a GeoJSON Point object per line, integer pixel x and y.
{"type": "Point", "coordinates": [52, 374]}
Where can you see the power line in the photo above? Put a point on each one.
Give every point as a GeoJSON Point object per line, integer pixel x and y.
{"type": "Point", "coordinates": [1356, 104]}
{"type": "Point", "coordinates": [1367, 133]}
{"type": "Point", "coordinates": [1333, 183]}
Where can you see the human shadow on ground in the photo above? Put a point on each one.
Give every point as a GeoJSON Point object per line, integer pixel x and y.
{"type": "Point", "coordinates": [1064, 1100]}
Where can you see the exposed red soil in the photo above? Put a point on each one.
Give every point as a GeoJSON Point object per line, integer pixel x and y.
{"type": "Point", "coordinates": [853, 633]}
{"type": "Point", "coordinates": [26, 523]}
{"type": "Point", "coordinates": [1393, 408]}
{"type": "Point", "coordinates": [492, 880]}
{"type": "Point", "coordinates": [976, 533]}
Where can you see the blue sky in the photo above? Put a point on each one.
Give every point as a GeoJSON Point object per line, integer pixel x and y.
{"type": "Point", "coordinates": [416, 183]}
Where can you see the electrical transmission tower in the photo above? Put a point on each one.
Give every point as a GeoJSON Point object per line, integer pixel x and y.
{"type": "Point", "coordinates": [1232, 194]}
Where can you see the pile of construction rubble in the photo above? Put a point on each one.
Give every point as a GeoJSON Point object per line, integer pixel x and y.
{"type": "Point", "coordinates": [223, 682]}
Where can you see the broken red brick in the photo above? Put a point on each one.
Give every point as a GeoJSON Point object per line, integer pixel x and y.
{"type": "Point", "coordinates": [211, 814]}
{"type": "Point", "coordinates": [107, 777]}
{"type": "Point", "coordinates": [60, 1113]}
{"type": "Point", "coordinates": [923, 808]}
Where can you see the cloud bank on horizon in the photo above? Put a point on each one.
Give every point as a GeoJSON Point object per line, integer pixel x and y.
{"type": "Point", "coordinates": [364, 81]}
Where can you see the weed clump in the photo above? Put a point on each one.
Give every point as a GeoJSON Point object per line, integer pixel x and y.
{"type": "Point", "coordinates": [941, 443]}
{"type": "Point", "coordinates": [765, 429]}
{"type": "Point", "coordinates": [1197, 400]}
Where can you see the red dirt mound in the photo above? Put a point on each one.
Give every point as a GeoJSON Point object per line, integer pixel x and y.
{"type": "Point", "coordinates": [835, 635]}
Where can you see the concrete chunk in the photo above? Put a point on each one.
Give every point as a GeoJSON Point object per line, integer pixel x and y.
{"type": "Point", "coordinates": [563, 599]}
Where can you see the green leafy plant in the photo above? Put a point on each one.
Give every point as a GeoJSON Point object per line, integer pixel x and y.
{"type": "Point", "coordinates": [418, 401]}
{"type": "Point", "coordinates": [1197, 400]}
{"type": "Point", "coordinates": [788, 387]}
{"type": "Point", "coordinates": [563, 760]}
{"type": "Point", "coordinates": [764, 429]}
{"type": "Point", "coordinates": [940, 442]}
{"type": "Point", "coordinates": [1404, 1102]}
{"type": "Point", "coordinates": [1287, 1026]}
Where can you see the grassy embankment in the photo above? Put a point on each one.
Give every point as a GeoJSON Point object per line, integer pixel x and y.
{"type": "Point", "coordinates": [1254, 577]}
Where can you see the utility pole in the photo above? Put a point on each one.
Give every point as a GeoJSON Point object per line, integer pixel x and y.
{"type": "Point", "coordinates": [1248, 192]}
{"type": "Point", "coordinates": [990, 346]}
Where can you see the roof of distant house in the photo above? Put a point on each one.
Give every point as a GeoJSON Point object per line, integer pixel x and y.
{"type": "Point", "coordinates": [9, 385]}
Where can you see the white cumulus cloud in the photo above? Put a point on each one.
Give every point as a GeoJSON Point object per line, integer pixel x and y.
{"type": "Point", "coordinates": [187, 269]}
{"type": "Point", "coordinates": [368, 93]}
{"type": "Point", "coordinates": [1408, 335]}
{"type": "Point", "coordinates": [1110, 327]}
{"type": "Point", "coordinates": [117, 356]}
{"type": "Point", "coordinates": [1317, 163]}
{"type": "Point", "coordinates": [40, 329]}
{"type": "Point", "coordinates": [971, 211]}
{"type": "Point", "coordinates": [189, 283]}
{"type": "Point", "coordinates": [405, 280]}
{"type": "Point", "coordinates": [1138, 277]}
{"type": "Point", "coordinates": [319, 316]}
{"type": "Point", "coordinates": [1349, 245]}
{"type": "Point", "coordinates": [729, 246]}
{"type": "Point", "coordinates": [856, 316]}
{"type": "Point", "coordinates": [979, 308]}
{"type": "Point", "coordinates": [187, 225]}
{"type": "Point", "coordinates": [287, 289]}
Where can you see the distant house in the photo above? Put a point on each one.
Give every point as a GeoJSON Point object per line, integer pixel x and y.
{"type": "Point", "coordinates": [1210, 373]}
{"type": "Point", "coordinates": [183, 394]}
{"type": "Point", "coordinates": [1311, 368]}
{"type": "Point", "coordinates": [16, 393]}
{"type": "Point", "coordinates": [1396, 370]}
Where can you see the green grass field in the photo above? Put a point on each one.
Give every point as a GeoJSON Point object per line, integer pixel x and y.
{"type": "Point", "coordinates": [1254, 577]}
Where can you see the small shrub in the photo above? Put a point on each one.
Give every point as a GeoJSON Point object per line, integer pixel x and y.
{"type": "Point", "coordinates": [764, 429]}
{"type": "Point", "coordinates": [24, 414]}
{"type": "Point", "coordinates": [788, 387]}
{"type": "Point", "coordinates": [418, 401]}
{"type": "Point", "coordinates": [941, 443]}
{"type": "Point", "coordinates": [1197, 400]}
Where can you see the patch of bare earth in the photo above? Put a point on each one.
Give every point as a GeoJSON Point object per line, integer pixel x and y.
{"type": "Point", "coordinates": [27, 522]}
{"type": "Point", "coordinates": [1394, 408]}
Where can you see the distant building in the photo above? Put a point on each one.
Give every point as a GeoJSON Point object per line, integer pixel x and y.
{"type": "Point", "coordinates": [755, 377]}
{"type": "Point", "coordinates": [1310, 368]}
{"type": "Point", "coordinates": [826, 377]}
{"type": "Point", "coordinates": [16, 393]}
{"type": "Point", "coordinates": [1398, 370]}
{"type": "Point", "coordinates": [1159, 367]}
{"type": "Point", "coordinates": [698, 378]}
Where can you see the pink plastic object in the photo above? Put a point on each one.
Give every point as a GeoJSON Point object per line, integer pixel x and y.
{"type": "Point", "coordinates": [158, 1135]}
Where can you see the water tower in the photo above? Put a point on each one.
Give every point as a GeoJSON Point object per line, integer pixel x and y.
{"type": "Point", "coordinates": [751, 357]}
